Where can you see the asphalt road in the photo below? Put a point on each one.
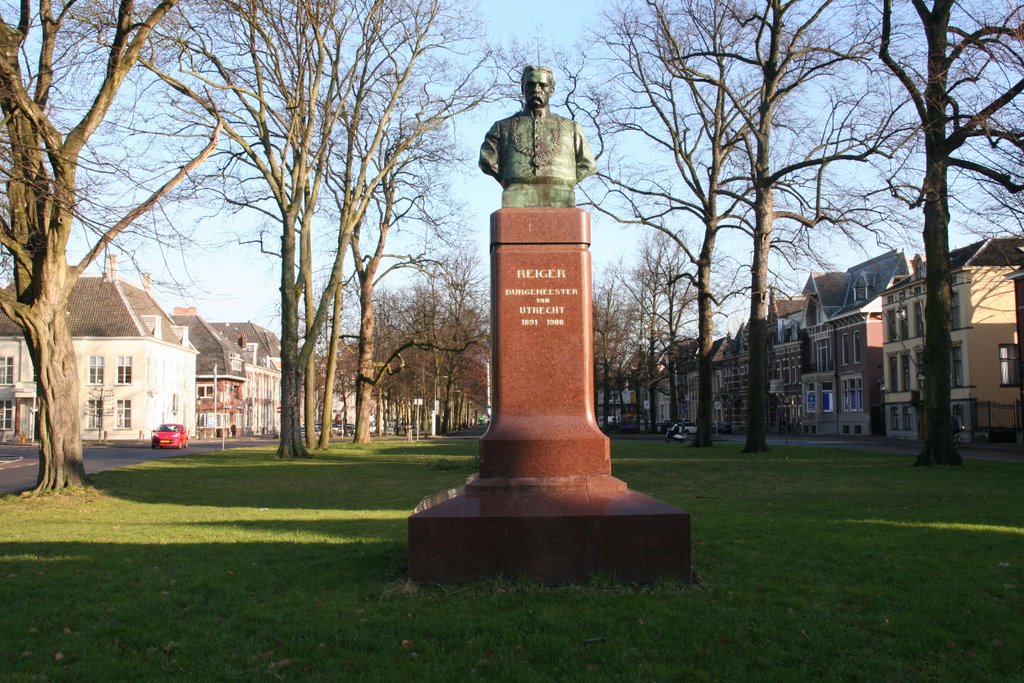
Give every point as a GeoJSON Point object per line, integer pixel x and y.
{"type": "Point", "coordinates": [19, 464]}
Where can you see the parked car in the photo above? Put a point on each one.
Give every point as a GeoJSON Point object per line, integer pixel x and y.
{"type": "Point", "coordinates": [689, 427]}
{"type": "Point", "coordinates": [722, 427]}
{"type": "Point", "coordinates": [629, 427]}
{"type": "Point", "coordinates": [169, 436]}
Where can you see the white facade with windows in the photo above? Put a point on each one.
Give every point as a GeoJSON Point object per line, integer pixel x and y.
{"type": "Point", "coordinates": [143, 383]}
{"type": "Point", "coordinates": [136, 368]}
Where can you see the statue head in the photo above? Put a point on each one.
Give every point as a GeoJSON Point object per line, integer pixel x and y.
{"type": "Point", "coordinates": [538, 83]}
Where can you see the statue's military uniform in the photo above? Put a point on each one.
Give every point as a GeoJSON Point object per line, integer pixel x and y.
{"type": "Point", "coordinates": [538, 160]}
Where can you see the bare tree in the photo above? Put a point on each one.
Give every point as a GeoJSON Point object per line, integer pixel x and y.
{"type": "Point", "coordinates": [962, 68]}
{"type": "Point", "coordinates": [61, 70]}
{"type": "Point", "coordinates": [800, 58]}
{"type": "Point", "coordinates": [674, 98]}
{"type": "Point", "coordinates": [273, 71]}
{"type": "Point", "coordinates": [612, 321]}
{"type": "Point", "coordinates": [662, 296]}
{"type": "Point", "coordinates": [311, 84]}
{"type": "Point", "coordinates": [427, 330]}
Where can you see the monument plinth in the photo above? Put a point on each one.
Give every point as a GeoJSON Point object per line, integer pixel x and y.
{"type": "Point", "coordinates": [545, 504]}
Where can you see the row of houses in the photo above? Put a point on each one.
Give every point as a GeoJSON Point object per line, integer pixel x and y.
{"type": "Point", "coordinates": [140, 366]}
{"type": "Point", "coordinates": [846, 354]}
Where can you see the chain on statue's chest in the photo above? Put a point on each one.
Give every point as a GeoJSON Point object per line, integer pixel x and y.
{"type": "Point", "coordinates": [540, 140]}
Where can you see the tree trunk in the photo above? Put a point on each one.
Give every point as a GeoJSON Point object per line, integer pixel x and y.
{"type": "Point", "coordinates": [652, 383]}
{"type": "Point", "coordinates": [938, 447]}
{"type": "Point", "coordinates": [330, 372]}
{"type": "Point", "coordinates": [291, 445]}
{"type": "Point", "coordinates": [673, 390]}
{"type": "Point", "coordinates": [365, 375]}
{"type": "Point", "coordinates": [309, 310]}
{"type": "Point", "coordinates": [757, 328]}
{"type": "Point", "coordinates": [59, 417]}
{"type": "Point", "coordinates": [705, 343]}
{"type": "Point", "coordinates": [606, 397]}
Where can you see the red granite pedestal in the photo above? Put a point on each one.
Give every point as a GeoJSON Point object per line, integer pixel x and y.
{"type": "Point", "coordinates": [545, 504]}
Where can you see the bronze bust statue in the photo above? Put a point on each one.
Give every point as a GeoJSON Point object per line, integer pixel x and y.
{"type": "Point", "coordinates": [538, 157]}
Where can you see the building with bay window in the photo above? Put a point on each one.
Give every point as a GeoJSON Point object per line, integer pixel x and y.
{"type": "Point", "coordinates": [984, 363]}
{"type": "Point", "coordinates": [842, 373]}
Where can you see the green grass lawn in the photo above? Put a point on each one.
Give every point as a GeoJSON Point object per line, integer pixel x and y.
{"type": "Point", "coordinates": [811, 565]}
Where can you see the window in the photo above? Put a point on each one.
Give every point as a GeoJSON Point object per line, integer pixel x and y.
{"type": "Point", "coordinates": [852, 395]}
{"type": "Point", "coordinates": [856, 346]}
{"type": "Point", "coordinates": [204, 391]}
{"type": "Point", "coordinates": [894, 379]}
{"type": "Point", "coordinates": [957, 380]}
{"type": "Point", "coordinates": [826, 398]}
{"type": "Point", "coordinates": [844, 347]}
{"type": "Point", "coordinates": [7, 370]}
{"type": "Point", "coordinates": [124, 369]}
{"type": "Point", "coordinates": [1008, 367]}
{"type": "Point", "coordinates": [96, 369]}
{"type": "Point", "coordinates": [811, 399]}
{"type": "Point", "coordinates": [94, 413]}
{"type": "Point", "coordinates": [904, 323]}
{"type": "Point", "coordinates": [919, 318]}
{"type": "Point", "coordinates": [124, 413]}
{"type": "Point", "coordinates": [890, 325]}
{"type": "Point", "coordinates": [7, 415]}
{"type": "Point", "coordinates": [905, 366]}
{"type": "Point", "coordinates": [821, 353]}
{"type": "Point", "coordinates": [954, 312]}
{"type": "Point", "coordinates": [894, 418]}
{"type": "Point", "coordinates": [907, 422]}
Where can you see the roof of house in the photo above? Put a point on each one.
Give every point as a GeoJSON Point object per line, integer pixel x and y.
{"type": "Point", "coordinates": [251, 333]}
{"type": "Point", "coordinates": [999, 252]}
{"type": "Point", "coordinates": [107, 307]}
{"type": "Point", "coordinates": [215, 351]}
{"type": "Point", "coordinates": [837, 293]}
{"type": "Point", "coordinates": [788, 305]}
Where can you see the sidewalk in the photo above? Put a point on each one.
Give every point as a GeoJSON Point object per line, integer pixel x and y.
{"type": "Point", "coordinates": [1009, 452]}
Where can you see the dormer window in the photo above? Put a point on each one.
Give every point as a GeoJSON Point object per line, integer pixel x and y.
{"type": "Point", "coordinates": [860, 289]}
{"type": "Point", "coordinates": [153, 323]}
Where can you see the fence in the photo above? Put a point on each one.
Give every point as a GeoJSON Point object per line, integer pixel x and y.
{"type": "Point", "coordinates": [1001, 421]}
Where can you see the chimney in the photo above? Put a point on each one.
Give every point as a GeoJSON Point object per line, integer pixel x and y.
{"type": "Point", "coordinates": [147, 282]}
{"type": "Point", "coordinates": [186, 310]}
{"type": "Point", "coordinates": [111, 272]}
{"type": "Point", "coordinates": [241, 341]}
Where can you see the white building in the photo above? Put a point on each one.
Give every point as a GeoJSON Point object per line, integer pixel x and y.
{"type": "Point", "coordinates": [136, 368]}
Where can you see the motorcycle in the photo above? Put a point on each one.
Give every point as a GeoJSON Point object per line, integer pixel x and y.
{"type": "Point", "coordinates": [675, 432]}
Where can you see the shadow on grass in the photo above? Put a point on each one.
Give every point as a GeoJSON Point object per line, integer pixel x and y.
{"type": "Point", "coordinates": [203, 611]}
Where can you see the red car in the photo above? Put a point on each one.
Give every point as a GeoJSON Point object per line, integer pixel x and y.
{"type": "Point", "coordinates": [170, 436]}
